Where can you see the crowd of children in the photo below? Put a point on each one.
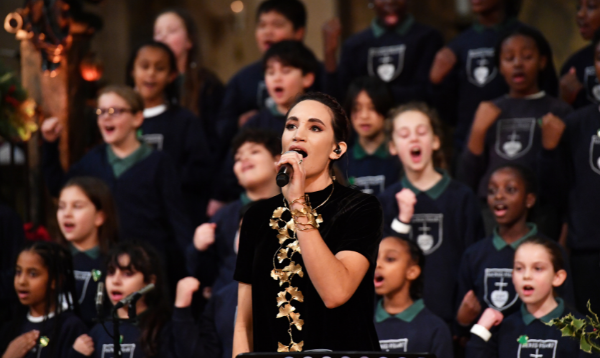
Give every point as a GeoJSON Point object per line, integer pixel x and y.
{"type": "Point", "coordinates": [485, 163]}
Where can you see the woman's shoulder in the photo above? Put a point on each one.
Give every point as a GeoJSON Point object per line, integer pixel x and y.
{"type": "Point", "coordinates": [353, 195]}
{"type": "Point", "coordinates": [264, 207]}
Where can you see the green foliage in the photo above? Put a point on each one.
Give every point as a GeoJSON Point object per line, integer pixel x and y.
{"type": "Point", "coordinates": [17, 111]}
{"type": "Point", "coordinates": [586, 331]}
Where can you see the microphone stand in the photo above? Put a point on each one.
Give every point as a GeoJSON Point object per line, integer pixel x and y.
{"type": "Point", "coordinates": [132, 313]}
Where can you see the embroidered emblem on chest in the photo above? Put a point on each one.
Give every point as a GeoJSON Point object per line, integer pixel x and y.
{"type": "Point", "coordinates": [427, 231]}
{"type": "Point", "coordinates": [480, 66]}
{"type": "Point", "coordinates": [592, 86]}
{"type": "Point", "coordinates": [499, 292]}
{"type": "Point", "coordinates": [370, 184]}
{"type": "Point", "coordinates": [386, 62]}
{"type": "Point", "coordinates": [514, 137]}
{"type": "Point", "coordinates": [82, 279]}
{"type": "Point", "coordinates": [394, 345]}
{"type": "Point", "coordinates": [127, 349]}
{"type": "Point", "coordinates": [595, 154]}
{"type": "Point", "coordinates": [154, 140]}
{"type": "Point", "coordinates": [538, 348]}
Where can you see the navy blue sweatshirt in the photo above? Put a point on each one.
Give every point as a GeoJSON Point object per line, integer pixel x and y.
{"type": "Point", "coordinates": [579, 152]}
{"type": "Point", "coordinates": [178, 338]}
{"type": "Point", "coordinates": [50, 344]}
{"type": "Point", "coordinates": [12, 238]}
{"type": "Point", "coordinates": [476, 78]}
{"type": "Point", "coordinates": [415, 329]}
{"type": "Point", "coordinates": [583, 62]}
{"type": "Point", "coordinates": [89, 269]}
{"type": "Point", "coordinates": [371, 174]}
{"type": "Point", "coordinates": [180, 134]}
{"type": "Point", "coordinates": [401, 56]}
{"type": "Point", "coordinates": [486, 268]}
{"type": "Point", "coordinates": [446, 221]}
{"type": "Point", "coordinates": [515, 138]}
{"type": "Point", "coordinates": [209, 104]}
{"type": "Point", "coordinates": [542, 341]}
{"type": "Point", "coordinates": [217, 264]}
{"type": "Point", "coordinates": [221, 310]}
{"type": "Point", "coordinates": [148, 195]}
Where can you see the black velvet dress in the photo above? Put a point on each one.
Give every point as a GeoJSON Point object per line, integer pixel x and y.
{"type": "Point", "coordinates": [288, 313]}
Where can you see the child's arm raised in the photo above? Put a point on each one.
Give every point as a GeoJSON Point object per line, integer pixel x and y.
{"type": "Point", "coordinates": [469, 309]}
{"type": "Point", "coordinates": [570, 86]}
{"type": "Point", "coordinates": [54, 175]}
{"type": "Point", "coordinates": [480, 345]}
{"type": "Point", "coordinates": [486, 115]}
{"type": "Point", "coordinates": [406, 200]}
{"type": "Point", "coordinates": [444, 62]}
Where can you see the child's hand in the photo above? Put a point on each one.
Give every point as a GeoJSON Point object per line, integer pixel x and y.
{"type": "Point", "coordinates": [19, 346]}
{"type": "Point", "coordinates": [406, 203]}
{"type": "Point", "coordinates": [244, 117]}
{"type": "Point", "coordinates": [185, 290]}
{"type": "Point", "coordinates": [486, 115]}
{"type": "Point", "coordinates": [469, 309]}
{"type": "Point", "coordinates": [490, 318]}
{"type": "Point", "coordinates": [84, 344]}
{"type": "Point", "coordinates": [570, 86]}
{"type": "Point", "coordinates": [51, 129]}
{"type": "Point", "coordinates": [213, 207]}
{"type": "Point", "coordinates": [204, 236]}
{"type": "Point", "coordinates": [552, 129]}
{"type": "Point", "coordinates": [443, 63]}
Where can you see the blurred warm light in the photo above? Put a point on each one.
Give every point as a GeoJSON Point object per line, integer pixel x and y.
{"type": "Point", "coordinates": [91, 68]}
{"type": "Point", "coordinates": [237, 6]}
{"type": "Point", "coordinates": [13, 22]}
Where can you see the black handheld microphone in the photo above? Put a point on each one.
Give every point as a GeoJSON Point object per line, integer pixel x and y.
{"type": "Point", "coordinates": [99, 299]}
{"type": "Point", "coordinates": [286, 170]}
{"type": "Point", "coordinates": [132, 298]}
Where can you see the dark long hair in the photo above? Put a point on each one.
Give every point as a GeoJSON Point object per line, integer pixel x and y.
{"type": "Point", "coordinates": [195, 75]}
{"type": "Point", "coordinates": [171, 91]}
{"type": "Point", "coordinates": [59, 263]}
{"type": "Point", "coordinates": [99, 194]}
{"type": "Point", "coordinates": [145, 259]}
{"type": "Point", "coordinates": [377, 90]}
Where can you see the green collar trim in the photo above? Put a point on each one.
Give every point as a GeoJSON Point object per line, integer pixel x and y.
{"type": "Point", "coordinates": [93, 253]}
{"type": "Point", "coordinates": [121, 165]}
{"type": "Point", "coordinates": [359, 152]}
{"type": "Point", "coordinates": [273, 109]}
{"type": "Point", "coordinates": [557, 312]}
{"type": "Point", "coordinates": [435, 191]}
{"type": "Point", "coordinates": [497, 28]}
{"type": "Point", "coordinates": [244, 199]}
{"type": "Point", "coordinates": [401, 29]}
{"type": "Point", "coordinates": [499, 242]}
{"type": "Point", "coordinates": [407, 315]}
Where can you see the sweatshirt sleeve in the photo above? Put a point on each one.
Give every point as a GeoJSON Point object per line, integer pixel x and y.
{"type": "Point", "coordinates": [442, 343]}
{"type": "Point", "coordinates": [191, 339]}
{"type": "Point", "coordinates": [473, 229]}
{"type": "Point", "coordinates": [478, 348]}
{"type": "Point", "coordinates": [70, 330]}
{"type": "Point", "coordinates": [197, 172]}
{"type": "Point", "coordinates": [54, 175]}
{"type": "Point", "coordinates": [471, 169]}
{"type": "Point", "coordinates": [465, 280]}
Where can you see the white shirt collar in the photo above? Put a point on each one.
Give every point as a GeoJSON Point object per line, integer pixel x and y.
{"type": "Point", "coordinates": [154, 111]}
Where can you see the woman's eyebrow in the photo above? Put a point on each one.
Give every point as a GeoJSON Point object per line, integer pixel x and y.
{"type": "Point", "coordinates": [316, 120]}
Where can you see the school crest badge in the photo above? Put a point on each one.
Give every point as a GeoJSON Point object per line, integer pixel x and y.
{"type": "Point", "coordinates": [373, 185]}
{"type": "Point", "coordinates": [155, 140]}
{"type": "Point", "coordinates": [514, 137]}
{"type": "Point", "coordinates": [108, 350]}
{"type": "Point", "coordinates": [480, 66]}
{"type": "Point", "coordinates": [426, 231]}
{"type": "Point", "coordinates": [394, 345]}
{"type": "Point", "coordinates": [499, 292]}
{"type": "Point", "coordinates": [82, 279]}
{"type": "Point", "coordinates": [386, 62]}
{"type": "Point", "coordinates": [591, 84]}
{"type": "Point", "coordinates": [595, 153]}
{"type": "Point", "coordinates": [538, 348]}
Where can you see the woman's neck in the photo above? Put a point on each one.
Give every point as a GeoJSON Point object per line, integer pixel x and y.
{"type": "Point", "coordinates": [397, 301]}
{"type": "Point", "coordinates": [88, 242]}
{"type": "Point", "coordinates": [154, 102]}
{"type": "Point", "coordinates": [267, 190]}
{"type": "Point", "coordinates": [492, 17]}
{"type": "Point", "coordinates": [424, 179]}
{"type": "Point", "coordinates": [514, 231]}
{"type": "Point", "coordinates": [522, 94]}
{"type": "Point", "coordinates": [126, 147]}
{"type": "Point", "coordinates": [182, 63]}
{"type": "Point", "coordinates": [543, 307]}
{"type": "Point", "coordinates": [317, 183]}
{"type": "Point", "coordinates": [38, 310]}
{"type": "Point", "coordinates": [139, 308]}
{"type": "Point", "coordinates": [370, 145]}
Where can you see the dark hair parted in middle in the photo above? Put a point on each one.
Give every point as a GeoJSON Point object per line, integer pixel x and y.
{"type": "Point", "coordinates": [171, 91]}
{"type": "Point", "coordinates": [294, 54]}
{"type": "Point", "coordinates": [293, 10]}
{"type": "Point", "coordinates": [377, 90]}
{"type": "Point", "coordinates": [268, 138]}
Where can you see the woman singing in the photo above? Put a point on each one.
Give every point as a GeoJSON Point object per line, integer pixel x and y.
{"type": "Point", "coordinates": [306, 257]}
